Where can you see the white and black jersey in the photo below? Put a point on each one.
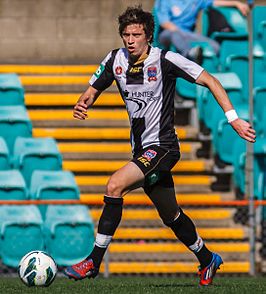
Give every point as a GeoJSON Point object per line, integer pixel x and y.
{"type": "Point", "coordinates": [148, 90]}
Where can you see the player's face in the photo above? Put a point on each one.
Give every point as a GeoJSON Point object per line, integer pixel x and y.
{"type": "Point", "coordinates": [135, 39]}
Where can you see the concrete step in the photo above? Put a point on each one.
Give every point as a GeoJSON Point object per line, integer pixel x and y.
{"type": "Point", "coordinates": [53, 79]}
{"type": "Point", "coordinates": [163, 233]}
{"type": "Point", "coordinates": [57, 82]}
{"type": "Point", "coordinates": [208, 217]}
{"type": "Point", "coordinates": [110, 166]}
{"type": "Point", "coordinates": [69, 99]}
{"type": "Point", "coordinates": [90, 133]}
{"type": "Point", "coordinates": [141, 199]}
{"type": "Point", "coordinates": [172, 251]}
{"type": "Point", "coordinates": [64, 118]}
{"type": "Point", "coordinates": [183, 184]}
{"type": "Point", "coordinates": [172, 267]}
{"type": "Point", "coordinates": [105, 150]}
{"type": "Point", "coordinates": [30, 69]}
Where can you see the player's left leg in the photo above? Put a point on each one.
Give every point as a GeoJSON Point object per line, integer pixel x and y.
{"type": "Point", "coordinates": [120, 182]}
{"type": "Point", "coordinates": [163, 196]}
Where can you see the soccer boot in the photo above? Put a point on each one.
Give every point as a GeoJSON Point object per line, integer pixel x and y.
{"type": "Point", "coordinates": [82, 270]}
{"type": "Point", "coordinates": [207, 274]}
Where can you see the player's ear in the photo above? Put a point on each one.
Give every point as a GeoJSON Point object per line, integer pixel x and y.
{"type": "Point", "coordinates": [149, 39]}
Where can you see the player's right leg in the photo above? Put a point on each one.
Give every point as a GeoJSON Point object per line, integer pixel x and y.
{"type": "Point", "coordinates": [120, 182]}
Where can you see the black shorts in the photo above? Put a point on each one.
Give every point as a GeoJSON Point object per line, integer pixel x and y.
{"type": "Point", "coordinates": [155, 160]}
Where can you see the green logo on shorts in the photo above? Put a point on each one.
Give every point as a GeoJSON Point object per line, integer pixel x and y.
{"type": "Point", "coordinates": [153, 178]}
{"type": "Point", "coordinates": [99, 70]}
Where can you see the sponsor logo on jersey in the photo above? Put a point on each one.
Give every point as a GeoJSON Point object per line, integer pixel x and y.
{"type": "Point", "coordinates": [149, 154]}
{"type": "Point", "coordinates": [152, 74]}
{"type": "Point", "coordinates": [135, 69]}
{"type": "Point", "coordinates": [136, 98]}
{"type": "Point", "coordinates": [99, 71]}
{"type": "Point", "coordinates": [118, 70]}
{"type": "Point", "coordinates": [141, 104]}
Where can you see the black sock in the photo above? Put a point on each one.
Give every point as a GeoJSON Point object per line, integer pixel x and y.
{"type": "Point", "coordinates": [97, 255]}
{"type": "Point", "coordinates": [185, 231]}
{"type": "Point", "coordinates": [107, 226]}
{"type": "Point", "coordinates": [204, 256]}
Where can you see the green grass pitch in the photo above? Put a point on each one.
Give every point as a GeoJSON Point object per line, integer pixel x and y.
{"type": "Point", "coordinates": [134, 285]}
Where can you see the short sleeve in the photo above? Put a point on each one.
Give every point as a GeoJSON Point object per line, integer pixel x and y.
{"type": "Point", "coordinates": [104, 76]}
{"type": "Point", "coordinates": [180, 66]}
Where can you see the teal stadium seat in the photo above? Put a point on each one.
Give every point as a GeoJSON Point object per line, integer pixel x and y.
{"type": "Point", "coordinates": [234, 58]}
{"type": "Point", "coordinates": [201, 92]}
{"type": "Point", "coordinates": [12, 186]}
{"type": "Point", "coordinates": [232, 48]}
{"type": "Point", "coordinates": [53, 185]}
{"type": "Point", "coordinates": [14, 122]}
{"type": "Point", "coordinates": [210, 112]}
{"type": "Point", "coordinates": [224, 133]}
{"type": "Point", "coordinates": [36, 154]}
{"type": "Point", "coordinates": [69, 233]}
{"type": "Point", "coordinates": [259, 94]}
{"type": "Point", "coordinates": [259, 24]}
{"type": "Point", "coordinates": [236, 20]}
{"type": "Point", "coordinates": [261, 124]}
{"type": "Point", "coordinates": [21, 232]}
{"type": "Point", "coordinates": [156, 42]}
{"type": "Point", "coordinates": [259, 167]}
{"type": "Point", "coordinates": [4, 155]}
{"type": "Point", "coordinates": [11, 90]}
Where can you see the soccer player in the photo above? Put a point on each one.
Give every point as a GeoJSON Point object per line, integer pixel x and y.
{"type": "Point", "coordinates": [146, 77]}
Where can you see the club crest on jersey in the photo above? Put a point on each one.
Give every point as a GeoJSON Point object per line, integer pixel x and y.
{"type": "Point", "coordinates": [149, 154]}
{"type": "Point", "coordinates": [152, 74]}
{"type": "Point", "coordinates": [118, 70]}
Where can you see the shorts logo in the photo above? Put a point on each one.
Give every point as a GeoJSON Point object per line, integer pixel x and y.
{"type": "Point", "coordinates": [144, 161]}
{"type": "Point", "coordinates": [152, 74]}
{"type": "Point", "coordinates": [99, 71]}
{"type": "Point", "coordinates": [118, 70]}
{"type": "Point", "coordinates": [149, 154]}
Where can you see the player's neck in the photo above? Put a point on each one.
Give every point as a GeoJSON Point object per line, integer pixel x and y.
{"type": "Point", "coordinates": [139, 59]}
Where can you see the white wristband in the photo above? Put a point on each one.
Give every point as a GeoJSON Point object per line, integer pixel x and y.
{"type": "Point", "coordinates": [231, 115]}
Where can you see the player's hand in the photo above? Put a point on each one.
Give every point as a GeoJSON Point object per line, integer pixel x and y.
{"type": "Point", "coordinates": [244, 130]}
{"type": "Point", "coordinates": [243, 8]}
{"type": "Point", "coordinates": [80, 110]}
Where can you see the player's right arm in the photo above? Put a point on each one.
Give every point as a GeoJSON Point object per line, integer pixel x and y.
{"type": "Point", "coordinates": [84, 102]}
{"type": "Point", "coordinates": [100, 80]}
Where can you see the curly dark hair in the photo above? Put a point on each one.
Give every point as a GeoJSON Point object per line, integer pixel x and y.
{"type": "Point", "coordinates": [136, 15]}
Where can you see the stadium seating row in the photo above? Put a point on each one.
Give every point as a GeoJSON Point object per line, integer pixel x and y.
{"type": "Point", "coordinates": [31, 169]}
{"type": "Point", "coordinates": [67, 232]}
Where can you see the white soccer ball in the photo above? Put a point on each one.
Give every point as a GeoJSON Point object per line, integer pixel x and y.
{"type": "Point", "coordinates": [37, 268]}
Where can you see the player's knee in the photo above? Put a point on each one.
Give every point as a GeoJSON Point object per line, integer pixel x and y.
{"type": "Point", "coordinates": [114, 188]}
{"type": "Point", "coordinates": [169, 219]}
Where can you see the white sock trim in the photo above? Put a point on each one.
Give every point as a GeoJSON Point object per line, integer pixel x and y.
{"type": "Point", "coordinates": [102, 241]}
{"type": "Point", "coordinates": [197, 245]}
{"type": "Point", "coordinates": [177, 216]}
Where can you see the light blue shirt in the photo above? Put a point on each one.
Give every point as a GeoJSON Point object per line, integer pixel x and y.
{"type": "Point", "coordinates": [183, 13]}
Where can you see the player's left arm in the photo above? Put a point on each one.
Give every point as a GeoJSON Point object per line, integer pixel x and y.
{"type": "Point", "coordinates": [243, 128]}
